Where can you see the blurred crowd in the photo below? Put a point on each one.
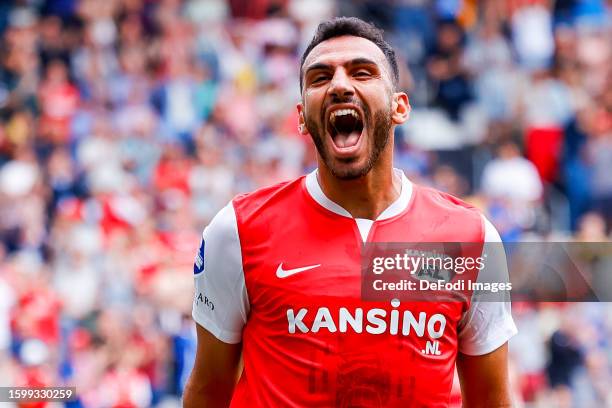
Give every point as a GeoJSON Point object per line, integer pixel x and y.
{"type": "Point", "coordinates": [125, 125]}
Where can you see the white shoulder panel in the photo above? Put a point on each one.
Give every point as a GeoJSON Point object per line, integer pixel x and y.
{"type": "Point", "coordinates": [221, 303]}
{"type": "Point", "coordinates": [488, 324]}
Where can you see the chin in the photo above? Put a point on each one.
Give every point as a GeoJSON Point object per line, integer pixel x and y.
{"type": "Point", "coordinates": [346, 171]}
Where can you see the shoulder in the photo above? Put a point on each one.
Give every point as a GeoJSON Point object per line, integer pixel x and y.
{"type": "Point", "coordinates": [246, 211]}
{"type": "Point", "coordinates": [219, 237]}
{"type": "Point", "coordinates": [278, 196]}
{"type": "Point", "coordinates": [223, 223]}
{"type": "Point", "coordinates": [445, 216]}
{"type": "Point", "coordinates": [443, 201]}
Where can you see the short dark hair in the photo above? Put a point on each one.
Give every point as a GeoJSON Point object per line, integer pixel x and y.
{"type": "Point", "coordinates": [339, 26]}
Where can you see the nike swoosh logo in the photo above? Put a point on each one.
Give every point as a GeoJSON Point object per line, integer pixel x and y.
{"type": "Point", "coordinates": [283, 273]}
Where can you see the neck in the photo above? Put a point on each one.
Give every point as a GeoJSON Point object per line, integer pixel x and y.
{"type": "Point", "coordinates": [365, 197]}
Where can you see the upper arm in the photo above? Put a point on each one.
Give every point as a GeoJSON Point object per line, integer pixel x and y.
{"type": "Point", "coordinates": [215, 360]}
{"type": "Point", "coordinates": [220, 309]}
{"type": "Point", "coordinates": [215, 372]}
{"type": "Point", "coordinates": [484, 331]}
{"type": "Point", "coordinates": [484, 379]}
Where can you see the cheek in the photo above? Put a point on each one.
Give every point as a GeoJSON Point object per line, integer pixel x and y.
{"type": "Point", "coordinates": [312, 95]}
{"type": "Point", "coordinates": [375, 96]}
{"type": "Point", "coordinates": [312, 109]}
{"type": "Point", "coordinates": [316, 95]}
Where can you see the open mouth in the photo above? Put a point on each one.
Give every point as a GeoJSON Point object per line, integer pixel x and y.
{"type": "Point", "coordinates": [345, 127]}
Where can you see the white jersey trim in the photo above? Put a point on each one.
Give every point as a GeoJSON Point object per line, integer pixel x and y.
{"type": "Point", "coordinates": [364, 226]}
{"type": "Point", "coordinates": [399, 205]}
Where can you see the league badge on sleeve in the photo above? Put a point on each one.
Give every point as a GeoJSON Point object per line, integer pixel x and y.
{"type": "Point", "coordinates": [198, 263]}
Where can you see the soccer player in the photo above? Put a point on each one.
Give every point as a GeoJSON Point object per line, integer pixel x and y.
{"type": "Point", "coordinates": [278, 272]}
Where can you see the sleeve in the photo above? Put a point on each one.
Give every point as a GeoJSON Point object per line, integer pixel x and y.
{"type": "Point", "coordinates": [488, 323]}
{"type": "Point", "coordinates": [220, 304]}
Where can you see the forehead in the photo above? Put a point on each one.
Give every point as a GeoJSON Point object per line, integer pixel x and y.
{"type": "Point", "coordinates": [338, 50]}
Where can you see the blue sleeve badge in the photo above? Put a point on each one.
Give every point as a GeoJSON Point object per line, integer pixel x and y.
{"type": "Point", "coordinates": [198, 264]}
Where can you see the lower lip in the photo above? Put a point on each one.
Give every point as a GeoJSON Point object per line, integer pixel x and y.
{"type": "Point", "coordinates": [346, 152]}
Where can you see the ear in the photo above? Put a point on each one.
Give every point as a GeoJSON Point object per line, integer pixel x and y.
{"type": "Point", "coordinates": [400, 108]}
{"type": "Point", "coordinates": [301, 121]}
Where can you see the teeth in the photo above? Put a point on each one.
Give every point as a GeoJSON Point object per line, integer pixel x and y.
{"type": "Point", "coordinates": [341, 112]}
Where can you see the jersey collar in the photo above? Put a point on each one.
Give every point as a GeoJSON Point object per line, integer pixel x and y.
{"type": "Point", "coordinates": [399, 205]}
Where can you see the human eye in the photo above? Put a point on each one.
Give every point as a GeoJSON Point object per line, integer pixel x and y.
{"type": "Point", "coordinates": [319, 78]}
{"type": "Point", "coordinates": [362, 73]}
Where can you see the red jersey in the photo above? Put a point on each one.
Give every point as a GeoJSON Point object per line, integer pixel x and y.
{"type": "Point", "coordinates": [280, 270]}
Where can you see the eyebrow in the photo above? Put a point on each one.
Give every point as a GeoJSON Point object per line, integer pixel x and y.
{"type": "Point", "coordinates": [354, 61]}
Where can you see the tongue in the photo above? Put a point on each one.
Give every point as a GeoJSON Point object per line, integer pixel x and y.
{"type": "Point", "coordinates": [346, 139]}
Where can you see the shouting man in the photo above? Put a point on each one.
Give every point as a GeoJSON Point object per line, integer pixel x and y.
{"type": "Point", "coordinates": [278, 273]}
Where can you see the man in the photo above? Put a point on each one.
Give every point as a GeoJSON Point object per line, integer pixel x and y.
{"type": "Point", "coordinates": [278, 278]}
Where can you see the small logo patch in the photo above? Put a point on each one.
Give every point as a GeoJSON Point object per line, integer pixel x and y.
{"type": "Point", "coordinates": [198, 263]}
{"type": "Point", "coordinates": [283, 273]}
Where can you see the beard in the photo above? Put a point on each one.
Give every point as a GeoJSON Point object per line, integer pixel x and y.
{"type": "Point", "coordinates": [378, 127]}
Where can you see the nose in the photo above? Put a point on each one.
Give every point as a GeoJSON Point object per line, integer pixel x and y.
{"type": "Point", "coordinates": [340, 85]}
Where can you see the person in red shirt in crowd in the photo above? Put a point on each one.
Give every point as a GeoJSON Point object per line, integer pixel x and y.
{"type": "Point", "coordinates": [59, 100]}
